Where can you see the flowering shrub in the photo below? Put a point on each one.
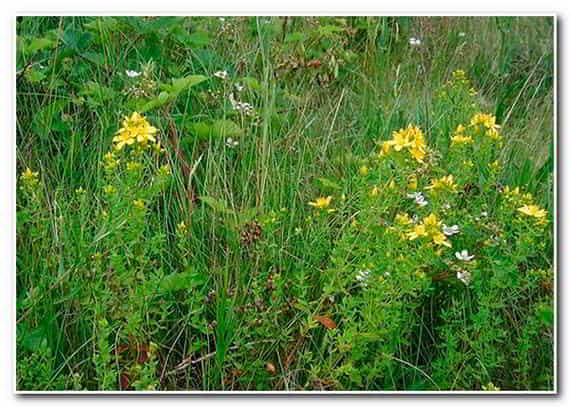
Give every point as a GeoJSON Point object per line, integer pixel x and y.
{"type": "Point", "coordinates": [399, 254]}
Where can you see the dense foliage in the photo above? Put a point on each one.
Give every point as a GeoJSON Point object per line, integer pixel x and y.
{"type": "Point", "coordinates": [321, 203]}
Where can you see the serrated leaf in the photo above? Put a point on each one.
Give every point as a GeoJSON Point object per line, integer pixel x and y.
{"type": "Point", "coordinates": [96, 93]}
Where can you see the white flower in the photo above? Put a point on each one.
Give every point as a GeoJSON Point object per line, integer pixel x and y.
{"type": "Point", "coordinates": [221, 74]}
{"type": "Point", "coordinates": [446, 206]}
{"type": "Point", "coordinates": [464, 277]}
{"type": "Point", "coordinates": [239, 87]}
{"type": "Point", "coordinates": [415, 41]}
{"type": "Point", "coordinates": [132, 74]}
{"type": "Point", "coordinates": [231, 143]}
{"type": "Point", "coordinates": [464, 255]}
{"type": "Point", "coordinates": [461, 34]}
{"type": "Point", "coordinates": [484, 214]}
{"type": "Point", "coordinates": [418, 196]}
{"type": "Point", "coordinates": [363, 275]}
{"type": "Point", "coordinates": [450, 230]}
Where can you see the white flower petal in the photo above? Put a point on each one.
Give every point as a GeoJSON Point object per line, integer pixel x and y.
{"type": "Point", "coordinates": [132, 74]}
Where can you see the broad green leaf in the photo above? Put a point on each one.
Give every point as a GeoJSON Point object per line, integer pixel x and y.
{"type": "Point", "coordinates": [43, 120]}
{"type": "Point", "coordinates": [96, 93]}
{"type": "Point", "coordinates": [180, 84]}
{"type": "Point", "coordinates": [182, 281]}
{"type": "Point", "coordinates": [34, 75]}
{"type": "Point", "coordinates": [37, 44]}
{"type": "Point", "coordinates": [217, 205]}
{"type": "Point", "coordinates": [216, 129]}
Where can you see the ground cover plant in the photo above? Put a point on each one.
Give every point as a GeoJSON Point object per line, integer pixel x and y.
{"type": "Point", "coordinates": [285, 203]}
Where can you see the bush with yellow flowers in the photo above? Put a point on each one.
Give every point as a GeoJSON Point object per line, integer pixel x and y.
{"type": "Point", "coordinates": [436, 248]}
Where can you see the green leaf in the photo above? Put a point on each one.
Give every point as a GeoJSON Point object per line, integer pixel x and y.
{"type": "Point", "coordinates": [325, 183]}
{"type": "Point", "coordinates": [546, 314]}
{"type": "Point", "coordinates": [199, 39]}
{"type": "Point", "coordinates": [252, 83]}
{"type": "Point", "coordinates": [171, 92]}
{"type": "Point", "coordinates": [96, 93]}
{"type": "Point", "coordinates": [102, 24]}
{"type": "Point", "coordinates": [180, 84]}
{"type": "Point", "coordinates": [43, 120]}
{"type": "Point", "coordinates": [38, 44]}
{"type": "Point", "coordinates": [217, 205]}
{"type": "Point", "coordinates": [75, 39]}
{"type": "Point", "coordinates": [215, 129]}
{"type": "Point", "coordinates": [34, 76]}
{"type": "Point", "coordinates": [182, 281]}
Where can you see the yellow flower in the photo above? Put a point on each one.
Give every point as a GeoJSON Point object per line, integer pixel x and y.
{"type": "Point", "coordinates": [439, 239]}
{"type": "Point", "coordinates": [139, 203]}
{"type": "Point", "coordinates": [403, 219]}
{"type": "Point", "coordinates": [410, 138]}
{"type": "Point", "coordinates": [165, 170]}
{"type": "Point", "coordinates": [496, 165]}
{"type": "Point", "coordinates": [443, 183]}
{"type": "Point", "coordinates": [418, 231]}
{"type": "Point", "coordinates": [461, 139]}
{"type": "Point", "coordinates": [182, 227]}
{"type": "Point", "coordinates": [532, 210]}
{"type": "Point", "coordinates": [431, 221]}
{"type": "Point", "coordinates": [135, 128]}
{"type": "Point", "coordinates": [321, 203]}
{"type": "Point", "coordinates": [29, 177]}
{"type": "Point", "coordinates": [134, 166]}
{"type": "Point", "coordinates": [363, 170]}
{"type": "Point", "coordinates": [488, 121]}
{"type": "Point", "coordinates": [122, 139]}
{"type": "Point", "coordinates": [491, 387]}
{"type": "Point", "coordinates": [400, 139]}
{"type": "Point", "coordinates": [375, 191]}
{"type": "Point", "coordinates": [109, 189]}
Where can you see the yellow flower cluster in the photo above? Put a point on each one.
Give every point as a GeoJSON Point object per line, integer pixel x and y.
{"type": "Point", "coordinates": [29, 177]}
{"type": "Point", "coordinates": [322, 203]}
{"type": "Point", "coordinates": [459, 76]}
{"type": "Point", "coordinates": [411, 138]}
{"type": "Point", "coordinates": [430, 227]}
{"type": "Point", "coordinates": [135, 129]}
{"type": "Point", "coordinates": [403, 219]}
{"type": "Point", "coordinates": [110, 162]}
{"type": "Point", "coordinates": [525, 204]}
{"type": "Point", "coordinates": [488, 121]}
{"type": "Point", "coordinates": [533, 210]}
{"type": "Point", "coordinates": [460, 137]}
{"type": "Point", "coordinates": [444, 183]}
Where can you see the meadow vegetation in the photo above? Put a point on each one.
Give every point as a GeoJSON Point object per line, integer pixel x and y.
{"type": "Point", "coordinates": [285, 203]}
